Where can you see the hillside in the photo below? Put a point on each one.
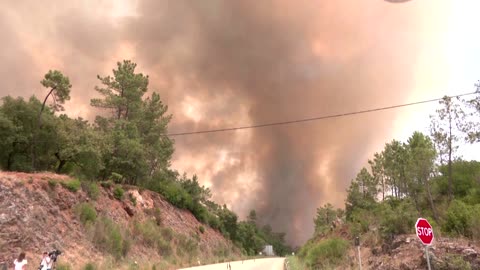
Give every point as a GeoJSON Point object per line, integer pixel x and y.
{"type": "Point", "coordinates": [43, 211]}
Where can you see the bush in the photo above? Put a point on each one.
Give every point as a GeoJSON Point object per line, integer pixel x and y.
{"type": "Point", "coordinates": [327, 253]}
{"type": "Point", "coordinates": [118, 193]}
{"type": "Point", "coordinates": [201, 229]}
{"type": "Point", "coordinates": [186, 245]}
{"type": "Point", "coordinates": [86, 213]}
{"type": "Point", "coordinates": [148, 232]}
{"type": "Point", "coordinates": [92, 190]}
{"type": "Point", "coordinates": [452, 262]}
{"type": "Point", "coordinates": [108, 236]}
{"type": "Point", "coordinates": [63, 266]}
{"type": "Point", "coordinates": [106, 184]}
{"type": "Point", "coordinates": [133, 199]}
{"type": "Point", "coordinates": [167, 234]}
{"type": "Point", "coordinates": [397, 217]}
{"type": "Point", "coordinates": [52, 183]}
{"type": "Point", "coordinates": [164, 248]}
{"type": "Point", "coordinates": [117, 178]}
{"type": "Point", "coordinates": [462, 219]}
{"type": "Point", "coordinates": [90, 266]}
{"type": "Point", "coordinates": [72, 185]}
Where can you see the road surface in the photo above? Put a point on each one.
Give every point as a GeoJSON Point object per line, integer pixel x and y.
{"type": "Point", "coordinates": [258, 264]}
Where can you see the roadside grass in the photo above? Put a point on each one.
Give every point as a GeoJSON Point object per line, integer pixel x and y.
{"type": "Point", "coordinates": [294, 263]}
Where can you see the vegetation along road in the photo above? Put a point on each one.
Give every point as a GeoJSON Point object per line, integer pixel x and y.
{"type": "Point", "coordinates": [259, 264]}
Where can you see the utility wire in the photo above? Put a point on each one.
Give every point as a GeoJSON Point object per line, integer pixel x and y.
{"type": "Point", "coordinates": [313, 118]}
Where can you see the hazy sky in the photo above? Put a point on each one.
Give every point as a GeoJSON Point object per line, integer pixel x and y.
{"type": "Point", "coordinates": [234, 63]}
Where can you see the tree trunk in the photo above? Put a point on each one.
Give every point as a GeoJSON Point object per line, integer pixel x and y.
{"type": "Point", "coordinates": [10, 161]}
{"type": "Point", "coordinates": [383, 189]}
{"type": "Point", "coordinates": [430, 199]}
{"type": "Point", "coordinates": [39, 125]}
{"type": "Point", "coordinates": [61, 164]}
{"type": "Point", "coordinates": [450, 180]}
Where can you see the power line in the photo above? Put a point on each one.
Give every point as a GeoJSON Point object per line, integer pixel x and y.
{"type": "Point", "coordinates": [313, 118]}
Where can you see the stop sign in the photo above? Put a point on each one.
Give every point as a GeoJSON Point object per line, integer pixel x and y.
{"type": "Point", "coordinates": [424, 231]}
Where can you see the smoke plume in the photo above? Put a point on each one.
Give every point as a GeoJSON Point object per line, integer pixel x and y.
{"type": "Point", "coordinates": [234, 63]}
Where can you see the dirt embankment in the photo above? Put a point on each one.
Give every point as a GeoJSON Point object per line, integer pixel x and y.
{"type": "Point", "coordinates": [407, 253]}
{"type": "Point", "coordinates": [38, 215]}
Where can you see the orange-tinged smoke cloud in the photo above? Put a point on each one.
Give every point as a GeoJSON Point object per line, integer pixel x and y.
{"type": "Point", "coordinates": [230, 63]}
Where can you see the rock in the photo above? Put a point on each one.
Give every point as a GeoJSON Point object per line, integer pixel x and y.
{"type": "Point", "coordinates": [129, 210]}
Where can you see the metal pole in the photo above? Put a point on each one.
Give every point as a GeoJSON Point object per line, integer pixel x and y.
{"type": "Point", "coordinates": [360, 258]}
{"type": "Point", "coordinates": [428, 257]}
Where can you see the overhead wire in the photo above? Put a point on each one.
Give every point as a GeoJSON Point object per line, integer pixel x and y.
{"type": "Point", "coordinates": [317, 118]}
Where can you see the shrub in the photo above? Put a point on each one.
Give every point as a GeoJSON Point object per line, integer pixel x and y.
{"type": "Point", "coordinates": [397, 217]}
{"type": "Point", "coordinates": [90, 266]}
{"type": "Point", "coordinates": [117, 178]}
{"type": "Point", "coordinates": [452, 262]}
{"type": "Point", "coordinates": [108, 236]}
{"type": "Point", "coordinates": [327, 253]}
{"type": "Point", "coordinates": [458, 218]}
{"type": "Point", "coordinates": [106, 184]}
{"type": "Point", "coordinates": [63, 266]}
{"type": "Point", "coordinates": [52, 183]}
{"type": "Point", "coordinates": [118, 193]}
{"type": "Point", "coordinates": [167, 233]}
{"type": "Point", "coordinates": [187, 245]}
{"type": "Point", "coordinates": [72, 185]}
{"type": "Point", "coordinates": [148, 232]}
{"type": "Point", "coordinates": [133, 199]}
{"type": "Point", "coordinates": [164, 248]}
{"type": "Point", "coordinates": [201, 229]}
{"type": "Point", "coordinates": [86, 213]}
{"type": "Point", "coordinates": [92, 190]}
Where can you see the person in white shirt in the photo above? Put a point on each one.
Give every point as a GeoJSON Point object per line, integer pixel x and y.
{"type": "Point", "coordinates": [46, 263]}
{"type": "Point", "coordinates": [20, 262]}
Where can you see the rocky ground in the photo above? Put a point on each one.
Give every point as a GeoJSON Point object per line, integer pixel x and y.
{"type": "Point", "coordinates": [406, 252]}
{"type": "Point", "coordinates": [36, 216]}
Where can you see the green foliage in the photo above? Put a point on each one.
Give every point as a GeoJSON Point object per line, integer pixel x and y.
{"type": "Point", "coordinates": [52, 183]}
{"type": "Point", "coordinates": [186, 246]}
{"type": "Point", "coordinates": [72, 185]}
{"type": "Point", "coordinates": [294, 263]}
{"type": "Point", "coordinates": [132, 199]}
{"type": "Point", "coordinates": [108, 236]}
{"type": "Point", "coordinates": [63, 266]}
{"type": "Point", "coordinates": [167, 233]}
{"type": "Point", "coordinates": [106, 184]}
{"type": "Point", "coordinates": [92, 190]}
{"type": "Point", "coordinates": [86, 213]}
{"type": "Point", "coordinates": [397, 217]}
{"type": "Point", "coordinates": [325, 216]}
{"type": "Point", "coordinates": [90, 266]}
{"type": "Point", "coordinates": [153, 236]}
{"type": "Point", "coordinates": [326, 253]}
{"type": "Point", "coordinates": [118, 193]}
{"type": "Point", "coordinates": [462, 219]}
{"type": "Point", "coordinates": [201, 229]}
{"type": "Point", "coordinates": [60, 87]}
{"type": "Point", "coordinates": [453, 262]}
{"type": "Point", "coordinates": [117, 178]}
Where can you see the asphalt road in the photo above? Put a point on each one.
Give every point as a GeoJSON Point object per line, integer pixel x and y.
{"type": "Point", "coordinates": [259, 264]}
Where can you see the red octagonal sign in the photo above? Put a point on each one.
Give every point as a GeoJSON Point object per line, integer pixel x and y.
{"type": "Point", "coordinates": [424, 231]}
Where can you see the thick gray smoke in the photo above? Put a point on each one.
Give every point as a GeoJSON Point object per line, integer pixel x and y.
{"type": "Point", "coordinates": [230, 63]}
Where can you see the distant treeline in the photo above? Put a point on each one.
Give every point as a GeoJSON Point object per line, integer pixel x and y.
{"type": "Point", "coordinates": [126, 144]}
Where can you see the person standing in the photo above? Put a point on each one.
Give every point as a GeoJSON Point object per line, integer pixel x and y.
{"type": "Point", "coordinates": [20, 262]}
{"type": "Point", "coordinates": [46, 263]}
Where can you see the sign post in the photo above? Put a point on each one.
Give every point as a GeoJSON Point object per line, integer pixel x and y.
{"type": "Point", "coordinates": [425, 233]}
{"type": "Point", "coordinates": [357, 244]}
